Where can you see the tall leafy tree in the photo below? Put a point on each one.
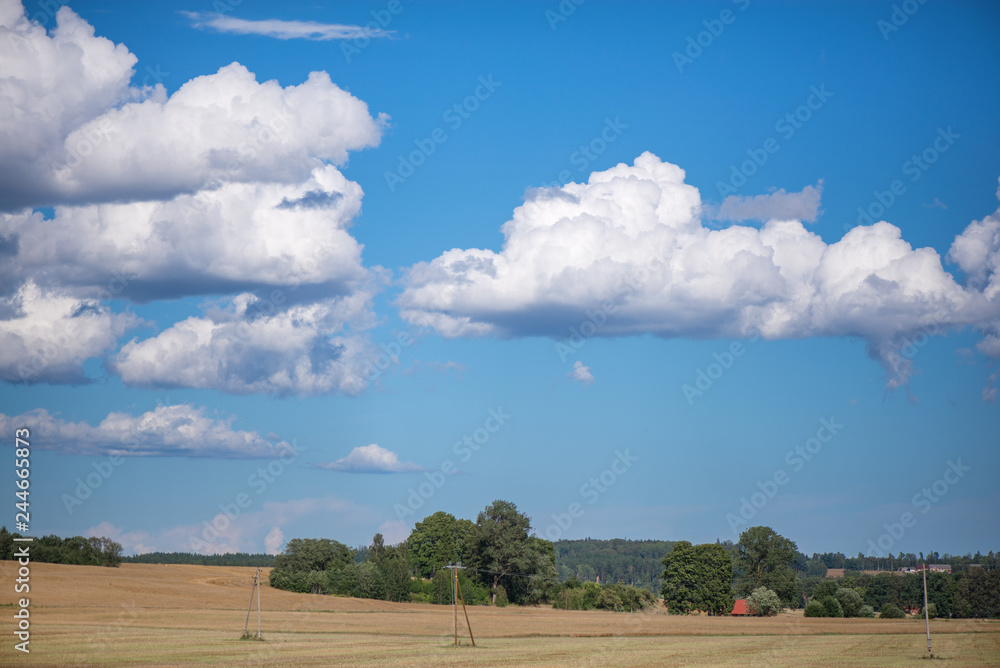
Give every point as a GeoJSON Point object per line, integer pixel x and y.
{"type": "Point", "coordinates": [698, 577]}
{"type": "Point", "coordinates": [505, 549]}
{"type": "Point", "coordinates": [764, 558]}
{"type": "Point", "coordinates": [438, 540]}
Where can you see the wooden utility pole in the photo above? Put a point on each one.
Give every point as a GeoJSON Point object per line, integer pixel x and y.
{"type": "Point", "coordinates": [927, 614]}
{"type": "Point", "coordinates": [456, 595]}
{"type": "Point", "coordinates": [254, 588]}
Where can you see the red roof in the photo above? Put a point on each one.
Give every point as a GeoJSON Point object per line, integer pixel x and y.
{"type": "Point", "coordinates": [740, 607]}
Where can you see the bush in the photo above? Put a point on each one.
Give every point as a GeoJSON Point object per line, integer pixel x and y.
{"type": "Point", "coordinates": [891, 611]}
{"type": "Point", "coordinates": [931, 611]}
{"type": "Point", "coordinates": [833, 607]}
{"type": "Point", "coordinates": [850, 601]}
{"type": "Point", "coordinates": [501, 599]}
{"type": "Point", "coordinates": [371, 583]}
{"type": "Point", "coordinates": [815, 609]}
{"type": "Point", "coordinates": [867, 611]}
{"type": "Point", "coordinates": [763, 602]}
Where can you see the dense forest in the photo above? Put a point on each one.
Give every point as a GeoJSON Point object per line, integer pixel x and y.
{"type": "Point", "coordinates": [227, 559]}
{"type": "Point", "coordinates": [634, 562]}
{"type": "Point", "coordinates": [55, 550]}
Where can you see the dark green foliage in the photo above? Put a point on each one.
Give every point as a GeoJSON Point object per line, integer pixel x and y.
{"type": "Point", "coordinates": [371, 583]}
{"type": "Point", "coordinates": [764, 559]}
{"type": "Point", "coordinates": [850, 601]}
{"type": "Point", "coordinates": [592, 596]}
{"type": "Point", "coordinates": [227, 559]}
{"type": "Point", "coordinates": [635, 562]}
{"type": "Point", "coordinates": [867, 612]}
{"type": "Point", "coordinates": [697, 577]}
{"type": "Point", "coordinates": [832, 606]}
{"type": "Point", "coordinates": [508, 556]}
{"type": "Point", "coordinates": [977, 594]}
{"type": "Point", "coordinates": [439, 540]}
{"type": "Point", "coordinates": [815, 609]}
{"type": "Point", "coordinates": [891, 611]}
{"type": "Point", "coordinates": [77, 550]}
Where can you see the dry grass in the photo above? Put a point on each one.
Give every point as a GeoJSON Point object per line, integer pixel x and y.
{"type": "Point", "coordinates": [152, 615]}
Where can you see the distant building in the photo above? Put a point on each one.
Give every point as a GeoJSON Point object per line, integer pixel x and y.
{"type": "Point", "coordinates": [740, 608]}
{"type": "Point", "coordinates": [933, 568]}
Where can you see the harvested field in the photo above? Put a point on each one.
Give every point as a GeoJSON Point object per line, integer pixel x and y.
{"type": "Point", "coordinates": [151, 615]}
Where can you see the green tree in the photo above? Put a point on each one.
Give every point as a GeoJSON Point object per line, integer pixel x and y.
{"type": "Point", "coordinates": [439, 540]}
{"type": "Point", "coordinates": [698, 577]}
{"type": "Point", "coordinates": [764, 559]}
{"type": "Point", "coordinates": [504, 548]}
{"type": "Point", "coordinates": [891, 611]}
{"type": "Point", "coordinates": [850, 601]}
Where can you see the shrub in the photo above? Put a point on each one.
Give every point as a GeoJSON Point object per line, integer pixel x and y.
{"type": "Point", "coordinates": [866, 611]}
{"type": "Point", "coordinates": [891, 611]}
{"type": "Point", "coordinates": [371, 583]}
{"type": "Point", "coordinates": [850, 601]}
{"type": "Point", "coordinates": [931, 611]}
{"type": "Point", "coordinates": [763, 602]}
{"type": "Point", "coordinates": [501, 599]}
{"type": "Point", "coordinates": [833, 607]}
{"type": "Point", "coordinates": [815, 609]}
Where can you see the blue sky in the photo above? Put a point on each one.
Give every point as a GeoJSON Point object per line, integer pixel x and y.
{"type": "Point", "coordinates": [634, 253]}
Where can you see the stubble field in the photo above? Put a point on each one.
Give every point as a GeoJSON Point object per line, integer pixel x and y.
{"type": "Point", "coordinates": [174, 615]}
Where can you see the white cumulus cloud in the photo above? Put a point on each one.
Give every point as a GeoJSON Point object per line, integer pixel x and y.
{"type": "Point", "coordinates": [631, 241]}
{"type": "Point", "coordinates": [75, 131]}
{"type": "Point", "coordinates": [370, 459]}
{"type": "Point", "coordinates": [581, 374]}
{"type": "Point", "coordinates": [47, 335]}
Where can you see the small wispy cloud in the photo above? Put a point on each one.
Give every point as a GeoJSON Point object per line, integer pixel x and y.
{"type": "Point", "coordinates": [581, 374]}
{"type": "Point", "coordinates": [936, 204]}
{"type": "Point", "coordinates": [370, 459]}
{"type": "Point", "coordinates": [279, 29]}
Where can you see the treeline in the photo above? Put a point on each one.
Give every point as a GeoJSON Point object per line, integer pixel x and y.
{"type": "Point", "coordinates": [633, 562]}
{"type": "Point", "coordinates": [499, 554]}
{"type": "Point", "coordinates": [891, 562]}
{"type": "Point", "coordinates": [973, 593]}
{"type": "Point", "coordinates": [55, 550]}
{"type": "Point", "coordinates": [502, 563]}
{"type": "Point", "coordinates": [227, 559]}
{"type": "Point", "coordinates": [763, 568]}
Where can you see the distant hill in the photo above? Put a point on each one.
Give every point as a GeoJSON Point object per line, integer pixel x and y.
{"type": "Point", "coordinates": [636, 562]}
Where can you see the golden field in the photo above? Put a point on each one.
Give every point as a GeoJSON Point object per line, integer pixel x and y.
{"type": "Point", "coordinates": [175, 615]}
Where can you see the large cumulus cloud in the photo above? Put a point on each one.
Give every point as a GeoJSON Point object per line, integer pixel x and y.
{"type": "Point", "coordinates": [227, 188]}
{"type": "Point", "coordinates": [631, 241]}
